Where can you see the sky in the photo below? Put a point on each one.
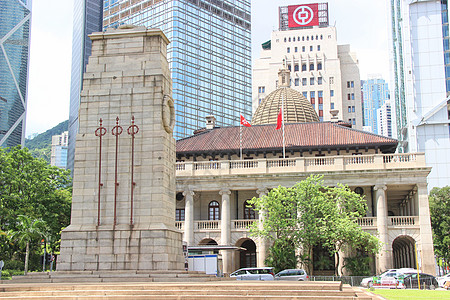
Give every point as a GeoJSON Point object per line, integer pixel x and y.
{"type": "Point", "coordinates": [360, 23]}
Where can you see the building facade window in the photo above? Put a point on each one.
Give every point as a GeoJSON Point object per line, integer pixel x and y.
{"type": "Point", "coordinates": [303, 49]}
{"type": "Point", "coordinates": [296, 68]}
{"type": "Point", "coordinates": [304, 81]}
{"type": "Point", "coordinates": [288, 50]}
{"type": "Point", "coordinates": [311, 81]}
{"type": "Point", "coordinates": [249, 211]}
{"type": "Point", "coordinates": [213, 210]}
{"type": "Point", "coordinates": [319, 66]}
{"type": "Point", "coordinates": [318, 47]}
{"type": "Point", "coordinates": [297, 81]}
{"type": "Point", "coordinates": [319, 80]}
{"type": "Point", "coordinates": [296, 49]}
{"type": "Point", "coordinates": [305, 94]}
{"type": "Point", "coordinates": [331, 93]}
{"type": "Point", "coordinates": [303, 67]}
{"type": "Point", "coordinates": [179, 214]}
{"type": "Point", "coordinates": [332, 105]}
{"type": "Point", "coordinates": [331, 80]}
{"type": "Point", "coordinates": [311, 67]}
{"type": "Point", "coordinates": [311, 48]}
{"type": "Point", "coordinates": [261, 89]}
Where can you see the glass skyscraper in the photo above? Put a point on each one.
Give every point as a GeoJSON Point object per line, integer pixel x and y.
{"type": "Point", "coordinates": [87, 19]}
{"type": "Point", "coordinates": [209, 54]}
{"type": "Point", "coordinates": [421, 74]}
{"type": "Point", "coordinates": [15, 19]}
{"type": "Point", "coordinates": [375, 93]}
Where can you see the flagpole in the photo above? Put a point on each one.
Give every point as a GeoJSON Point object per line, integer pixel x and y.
{"type": "Point", "coordinates": [240, 138]}
{"type": "Point", "coordinates": [282, 121]}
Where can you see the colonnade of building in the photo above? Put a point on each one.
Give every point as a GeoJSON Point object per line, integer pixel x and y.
{"type": "Point", "coordinates": [388, 256]}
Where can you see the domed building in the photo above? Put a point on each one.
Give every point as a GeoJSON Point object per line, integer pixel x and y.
{"type": "Point", "coordinates": [214, 182]}
{"type": "Point", "coordinates": [296, 108]}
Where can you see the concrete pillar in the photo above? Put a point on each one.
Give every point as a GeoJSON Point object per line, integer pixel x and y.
{"type": "Point", "coordinates": [225, 231]}
{"type": "Point", "coordinates": [262, 245]}
{"type": "Point", "coordinates": [189, 218]}
{"type": "Point", "coordinates": [413, 206]}
{"type": "Point", "coordinates": [384, 257]}
{"type": "Point", "coordinates": [426, 250]}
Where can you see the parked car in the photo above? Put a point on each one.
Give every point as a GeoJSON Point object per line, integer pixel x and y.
{"type": "Point", "coordinates": [387, 278]}
{"type": "Point", "coordinates": [265, 273]}
{"type": "Point", "coordinates": [292, 274]}
{"type": "Point", "coordinates": [426, 281]}
{"type": "Point", "coordinates": [441, 280]}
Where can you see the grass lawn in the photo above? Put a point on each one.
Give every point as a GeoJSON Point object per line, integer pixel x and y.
{"type": "Point", "coordinates": [412, 294]}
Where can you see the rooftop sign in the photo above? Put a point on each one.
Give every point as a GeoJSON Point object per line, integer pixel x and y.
{"type": "Point", "coordinates": [303, 15]}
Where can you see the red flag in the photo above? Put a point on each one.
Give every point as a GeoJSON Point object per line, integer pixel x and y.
{"type": "Point", "coordinates": [245, 122]}
{"type": "Point", "coordinates": [279, 120]}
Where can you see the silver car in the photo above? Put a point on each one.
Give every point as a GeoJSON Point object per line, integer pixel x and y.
{"type": "Point", "coordinates": [265, 273]}
{"type": "Point", "coordinates": [292, 274]}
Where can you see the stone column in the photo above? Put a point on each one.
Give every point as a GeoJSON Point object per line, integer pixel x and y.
{"type": "Point", "coordinates": [189, 218]}
{"type": "Point", "coordinates": [225, 230]}
{"type": "Point", "coordinates": [384, 257]}
{"type": "Point", "coordinates": [413, 205]}
{"type": "Point", "coordinates": [426, 250]}
{"type": "Point", "coordinates": [262, 245]}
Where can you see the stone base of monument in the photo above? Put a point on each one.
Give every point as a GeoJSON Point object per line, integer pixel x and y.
{"type": "Point", "coordinates": [109, 249]}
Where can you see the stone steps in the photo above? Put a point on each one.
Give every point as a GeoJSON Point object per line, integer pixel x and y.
{"type": "Point", "coordinates": [186, 290]}
{"type": "Point", "coordinates": [108, 276]}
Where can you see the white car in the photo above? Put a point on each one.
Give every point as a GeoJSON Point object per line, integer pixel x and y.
{"type": "Point", "coordinates": [441, 280]}
{"type": "Point", "coordinates": [382, 279]}
{"type": "Point", "coordinates": [292, 274]}
{"type": "Point", "coordinates": [264, 274]}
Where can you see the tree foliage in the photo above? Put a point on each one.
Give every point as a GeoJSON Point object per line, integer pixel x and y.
{"type": "Point", "coordinates": [440, 221]}
{"type": "Point", "coordinates": [310, 214]}
{"type": "Point", "coordinates": [27, 231]}
{"type": "Point", "coordinates": [32, 188]}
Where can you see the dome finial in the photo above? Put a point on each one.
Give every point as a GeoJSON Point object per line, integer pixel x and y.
{"type": "Point", "coordinates": [284, 77]}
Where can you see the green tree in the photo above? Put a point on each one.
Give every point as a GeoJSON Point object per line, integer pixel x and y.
{"type": "Point", "coordinates": [27, 231]}
{"type": "Point", "coordinates": [30, 187]}
{"type": "Point", "coordinates": [440, 221]}
{"type": "Point", "coordinates": [310, 214]}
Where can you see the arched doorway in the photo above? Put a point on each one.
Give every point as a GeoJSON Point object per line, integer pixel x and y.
{"type": "Point", "coordinates": [323, 261]}
{"type": "Point", "coordinates": [209, 242]}
{"type": "Point", "coordinates": [403, 252]}
{"type": "Point", "coordinates": [247, 258]}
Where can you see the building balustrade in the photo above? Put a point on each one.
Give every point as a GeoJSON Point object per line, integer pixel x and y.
{"type": "Point", "coordinates": [243, 225]}
{"type": "Point", "coordinates": [301, 164]}
{"type": "Point", "coordinates": [403, 221]}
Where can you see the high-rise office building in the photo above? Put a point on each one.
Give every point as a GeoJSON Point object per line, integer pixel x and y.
{"type": "Point", "coordinates": [375, 93]}
{"type": "Point", "coordinates": [87, 18]}
{"type": "Point", "coordinates": [326, 73]}
{"type": "Point", "coordinates": [59, 150]}
{"type": "Point", "coordinates": [15, 25]}
{"type": "Point", "coordinates": [421, 61]}
{"type": "Point", "coordinates": [209, 54]}
{"type": "Point", "coordinates": [384, 119]}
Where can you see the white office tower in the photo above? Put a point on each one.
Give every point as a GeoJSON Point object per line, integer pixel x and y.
{"type": "Point", "coordinates": [421, 61]}
{"type": "Point", "coordinates": [326, 73]}
{"type": "Point", "coordinates": [384, 119]}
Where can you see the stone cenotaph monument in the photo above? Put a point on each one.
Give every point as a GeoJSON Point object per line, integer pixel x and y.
{"type": "Point", "coordinates": [123, 207]}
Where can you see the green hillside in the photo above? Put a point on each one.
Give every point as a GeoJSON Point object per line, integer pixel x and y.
{"type": "Point", "coordinates": [40, 146]}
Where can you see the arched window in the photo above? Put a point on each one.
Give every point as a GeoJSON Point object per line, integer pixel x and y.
{"type": "Point", "coordinates": [303, 67]}
{"type": "Point", "coordinates": [311, 67]}
{"type": "Point", "coordinates": [213, 210]}
{"type": "Point", "coordinates": [319, 66]}
{"type": "Point", "coordinates": [249, 212]}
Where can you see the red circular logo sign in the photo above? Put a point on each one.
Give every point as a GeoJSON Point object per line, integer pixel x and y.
{"type": "Point", "coordinates": [303, 15]}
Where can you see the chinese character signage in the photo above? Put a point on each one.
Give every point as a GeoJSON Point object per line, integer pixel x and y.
{"type": "Point", "coordinates": [303, 15]}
